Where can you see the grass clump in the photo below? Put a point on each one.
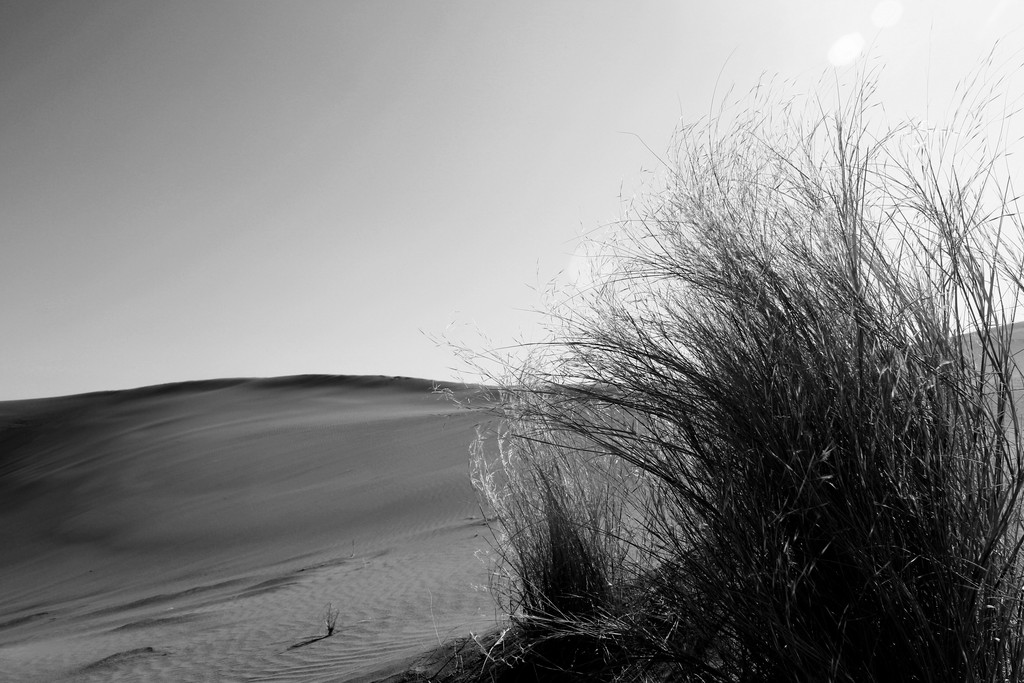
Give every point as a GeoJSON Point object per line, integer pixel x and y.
{"type": "Point", "coordinates": [778, 440]}
{"type": "Point", "coordinates": [568, 546]}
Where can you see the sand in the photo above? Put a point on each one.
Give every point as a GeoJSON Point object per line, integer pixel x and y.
{"type": "Point", "coordinates": [194, 532]}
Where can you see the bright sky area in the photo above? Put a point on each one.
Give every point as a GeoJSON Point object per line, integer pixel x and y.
{"type": "Point", "coordinates": [240, 188]}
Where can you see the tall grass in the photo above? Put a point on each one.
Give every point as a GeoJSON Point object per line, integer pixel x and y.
{"type": "Point", "coordinates": [779, 440]}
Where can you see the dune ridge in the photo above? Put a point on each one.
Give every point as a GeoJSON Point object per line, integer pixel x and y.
{"type": "Point", "coordinates": [194, 531]}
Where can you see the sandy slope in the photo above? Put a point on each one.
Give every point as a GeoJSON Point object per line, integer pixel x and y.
{"type": "Point", "coordinates": [193, 532]}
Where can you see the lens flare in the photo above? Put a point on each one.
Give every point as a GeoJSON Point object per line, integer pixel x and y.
{"type": "Point", "coordinates": [846, 49]}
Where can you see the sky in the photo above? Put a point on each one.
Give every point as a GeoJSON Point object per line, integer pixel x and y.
{"type": "Point", "coordinates": [248, 188]}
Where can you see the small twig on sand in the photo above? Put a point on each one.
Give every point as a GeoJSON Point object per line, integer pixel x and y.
{"type": "Point", "coordinates": [330, 618]}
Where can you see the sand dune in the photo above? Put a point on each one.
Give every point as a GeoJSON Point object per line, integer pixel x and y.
{"type": "Point", "coordinates": [193, 532]}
